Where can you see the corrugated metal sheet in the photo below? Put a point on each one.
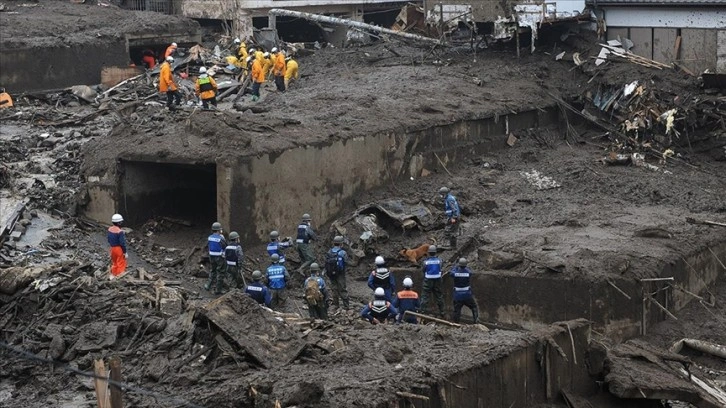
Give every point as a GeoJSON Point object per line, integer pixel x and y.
{"type": "Point", "coordinates": [655, 3]}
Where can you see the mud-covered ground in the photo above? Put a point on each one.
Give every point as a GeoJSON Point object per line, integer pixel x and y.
{"type": "Point", "coordinates": [596, 219]}
{"type": "Point", "coordinates": [54, 23]}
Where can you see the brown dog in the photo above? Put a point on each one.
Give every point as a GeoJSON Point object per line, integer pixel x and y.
{"type": "Point", "coordinates": [413, 255]}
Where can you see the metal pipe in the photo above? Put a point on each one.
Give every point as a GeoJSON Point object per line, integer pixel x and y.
{"type": "Point", "coordinates": [350, 23]}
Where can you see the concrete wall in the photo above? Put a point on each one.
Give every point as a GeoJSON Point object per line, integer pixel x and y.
{"type": "Point", "coordinates": [33, 69]}
{"type": "Point", "coordinates": [699, 49]}
{"type": "Point", "coordinates": [531, 302]}
{"type": "Point", "coordinates": [323, 179]}
{"type": "Point", "coordinates": [526, 376]}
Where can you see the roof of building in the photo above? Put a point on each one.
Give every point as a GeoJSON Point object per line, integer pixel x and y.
{"type": "Point", "coordinates": [657, 3]}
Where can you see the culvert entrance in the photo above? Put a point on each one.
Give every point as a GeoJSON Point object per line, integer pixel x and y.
{"type": "Point", "coordinates": [186, 192]}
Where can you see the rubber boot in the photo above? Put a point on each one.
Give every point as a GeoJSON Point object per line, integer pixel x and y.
{"type": "Point", "coordinates": [452, 242]}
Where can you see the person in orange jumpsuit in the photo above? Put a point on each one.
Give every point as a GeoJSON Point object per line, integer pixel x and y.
{"type": "Point", "coordinates": [279, 68]}
{"type": "Point", "coordinates": [167, 84]}
{"type": "Point", "coordinates": [149, 59]}
{"type": "Point", "coordinates": [170, 50]}
{"type": "Point", "coordinates": [117, 242]}
{"type": "Point", "coordinates": [6, 101]}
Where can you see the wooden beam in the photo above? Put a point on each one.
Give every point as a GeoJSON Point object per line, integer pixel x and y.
{"type": "Point", "coordinates": [431, 318]}
{"type": "Point", "coordinates": [100, 384]}
{"type": "Point", "coordinates": [116, 393]}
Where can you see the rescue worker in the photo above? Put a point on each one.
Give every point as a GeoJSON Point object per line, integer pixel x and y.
{"type": "Point", "coordinates": [206, 89]}
{"type": "Point", "coordinates": [381, 277]}
{"type": "Point", "coordinates": [266, 64]}
{"type": "Point", "coordinates": [379, 310]}
{"type": "Point", "coordinates": [258, 78]}
{"type": "Point", "coordinates": [305, 234]}
{"type": "Point", "coordinates": [241, 49]}
{"type": "Point", "coordinates": [407, 300]}
{"type": "Point", "coordinates": [452, 211]}
{"type": "Point", "coordinates": [277, 278]}
{"type": "Point", "coordinates": [117, 241]}
{"type": "Point", "coordinates": [148, 58]}
{"type": "Point", "coordinates": [216, 245]}
{"type": "Point", "coordinates": [6, 101]}
{"type": "Point", "coordinates": [335, 264]}
{"type": "Point", "coordinates": [432, 282]}
{"type": "Point", "coordinates": [275, 246]}
{"type": "Point", "coordinates": [278, 69]}
{"type": "Point", "coordinates": [233, 256]}
{"type": "Point", "coordinates": [259, 55]}
{"type": "Point", "coordinates": [258, 291]}
{"type": "Point", "coordinates": [170, 50]}
{"type": "Point", "coordinates": [291, 71]}
{"type": "Point", "coordinates": [316, 295]}
{"type": "Point", "coordinates": [462, 291]}
{"type": "Point", "coordinates": [166, 84]}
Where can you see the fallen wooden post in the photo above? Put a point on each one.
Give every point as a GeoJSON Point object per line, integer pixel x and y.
{"type": "Point", "coordinates": [692, 220]}
{"type": "Point", "coordinates": [350, 23]}
{"type": "Point", "coordinates": [431, 318]}
{"type": "Point", "coordinates": [661, 307]}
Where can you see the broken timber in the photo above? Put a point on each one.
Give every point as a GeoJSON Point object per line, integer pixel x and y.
{"type": "Point", "coordinates": [431, 318]}
{"type": "Point", "coordinates": [350, 23]}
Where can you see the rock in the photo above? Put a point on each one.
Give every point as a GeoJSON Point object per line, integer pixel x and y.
{"type": "Point", "coordinates": [305, 393]}
{"type": "Point", "coordinates": [25, 222]}
{"type": "Point", "coordinates": [392, 355]}
{"type": "Point", "coordinates": [97, 336]}
{"type": "Point", "coordinates": [499, 259]}
{"type": "Point", "coordinates": [34, 213]}
{"type": "Point", "coordinates": [57, 347]}
{"type": "Point", "coordinates": [19, 227]}
{"type": "Point", "coordinates": [49, 141]}
{"type": "Point", "coordinates": [77, 135]}
{"type": "Point", "coordinates": [16, 278]}
{"type": "Point", "coordinates": [15, 235]}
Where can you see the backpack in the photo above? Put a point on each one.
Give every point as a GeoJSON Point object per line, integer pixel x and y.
{"type": "Point", "coordinates": [332, 266]}
{"type": "Point", "coordinates": [312, 292]}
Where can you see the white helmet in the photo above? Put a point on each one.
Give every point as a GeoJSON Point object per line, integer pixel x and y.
{"type": "Point", "coordinates": [252, 50]}
{"type": "Point", "coordinates": [380, 260]}
{"type": "Point", "coordinates": [170, 59]}
{"type": "Point", "coordinates": [202, 70]}
{"type": "Point", "coordinates": [237, 41]}
{"type": "Point", "coordinates": [248, 58]}
{"type": "Point", "coordinates": [379, 292]}
{"type": "Point", "coordinates": [274, 50]}
{"type": "Point", "coordinates": [173, 44]}
{"type": "Point", "coordinates": [117, 218]}
{"type": "Point", "coordinates": [408, 283]}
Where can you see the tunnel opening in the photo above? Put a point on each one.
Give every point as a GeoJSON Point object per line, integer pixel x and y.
{"type": "Point", "coordinates": [381, 18]}
{"type": "Point", "coordinates": [185, 192]}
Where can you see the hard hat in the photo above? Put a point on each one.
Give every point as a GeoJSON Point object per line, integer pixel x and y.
{"type": "Point", "coordinates": [248, 59]}
{"type": "Point", "coordinates": [117, 218]}
{"type": "Point", "coordinates": [233, 235]}
{"type": "Point", "coordinates": [202, 70]}
{"type": "Point", "coordinates": [266, 54]}
{"type": "Point", "coordinates": [338, 239]}
{"type": "Point", "coordinates": [274, 50]}
{"type": "Point", "coordinates": [306, 217]}
{"type": "Point", "coordinates": [379, 292]}
{"type": "Point", "coordinates": [407, 283]}
{"type": "Point", "coordinates": [380, 260]}
{"type": "Point", "coordinates": [444, 190]}
{"type": "Point", "coordinates": [463, 262]}
{"type": "Point", "coordinates": [252, 50]}
{"type": "Point", "coordinates": [275, 257]}
{"type": "Point", "coordinates": [216, 226]}
{"type": "Point", "coordinates": [173, 45]}
{"type": "Point", "coordinates": [274, 235]}
{"type": "Point", "coordinates": [237, 41]}
{"type": "Point", "coordinates": [288, 58]}
{"type": "Point", "coordinates": [432, 249]}
{"type": "Point", "coordinates": [170, 58]}
{"type": "Point", "coordinates": [314, 267]}
{"type": "Point", "coordinates": [256, 275]}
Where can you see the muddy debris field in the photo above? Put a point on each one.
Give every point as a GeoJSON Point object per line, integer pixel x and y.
{"type": "Point", "coordinates": [606, 224]}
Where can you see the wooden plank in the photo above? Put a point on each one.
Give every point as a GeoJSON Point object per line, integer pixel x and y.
{"type": "Point", "coordinates": [663, 40]}
{"type": "Point", "coordinates": [116, 394]}
{"type": "Point", "coordinates": [642, 42]}
{"type": "Point", "coordinates": [111, 76]}
{"type": "Point", "coordinates": [101, 385]}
